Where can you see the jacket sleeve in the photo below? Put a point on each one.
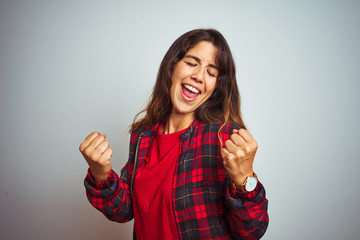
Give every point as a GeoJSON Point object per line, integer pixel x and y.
{"type": "Point", "coordinates": [112, 196]}
{"type": "Point", "coordinates": [246, 214]}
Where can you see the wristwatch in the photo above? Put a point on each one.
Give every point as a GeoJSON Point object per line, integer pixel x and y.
{"type": "Point", "coordinates": [248, 185]}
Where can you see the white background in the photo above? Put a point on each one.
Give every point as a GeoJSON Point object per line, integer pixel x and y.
{"type": "Point", "coordinates": [68, 68]}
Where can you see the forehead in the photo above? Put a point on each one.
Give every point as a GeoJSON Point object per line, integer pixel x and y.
{"type": "Point", "coordinates": [204, 50]}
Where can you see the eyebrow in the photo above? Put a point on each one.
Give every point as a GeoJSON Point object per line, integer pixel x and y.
{"type": "Point", "coordinates": [199, 61]}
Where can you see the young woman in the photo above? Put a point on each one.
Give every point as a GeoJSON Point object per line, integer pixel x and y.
{"type": "Point", "coordinates": [190, 169]}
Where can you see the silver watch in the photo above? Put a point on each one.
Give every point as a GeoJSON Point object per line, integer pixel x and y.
{"type": "Point", "coordinates": [250, 183]}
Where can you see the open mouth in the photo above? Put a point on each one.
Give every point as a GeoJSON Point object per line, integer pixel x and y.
{"type": "Point", "coordinates": [190, 92]}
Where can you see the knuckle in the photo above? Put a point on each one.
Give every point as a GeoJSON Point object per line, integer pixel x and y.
{"type": "Point", "coordinates": [227, 143]}
{"type": "Point", "coordinates": [92, 156]}
{"type": "Point", "coordinates": [239, 153]}
{"type": "Point", "coordinates": [231, 157]}
{"type": "Point", "coordinates": [81, 147]}
{"type": "Point", "coordinates": [98, 137]}
{"type": "Point", "coordinates": [103, 163]}
{"type": "Point", "coordinates": [87, 152]}
{"type": "Point", "coordinates": [233, 136]}
{"type": "Point", "coordinates": [256, 145]}
{"type": "Point", "coordinates": [242, 130]}
{"type": "Point", "coordinates": [93, 135]}
{"type": "Point", "coordinates": [101, 138]}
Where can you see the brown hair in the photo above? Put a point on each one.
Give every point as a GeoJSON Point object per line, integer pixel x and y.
{"type": "Point", "coordinates": [223, 105]}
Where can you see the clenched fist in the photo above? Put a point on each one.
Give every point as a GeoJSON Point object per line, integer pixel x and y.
{"type": "Point", "coordinates": [238, 155]}
{"type": "Point", "coordinates": [97, 153]}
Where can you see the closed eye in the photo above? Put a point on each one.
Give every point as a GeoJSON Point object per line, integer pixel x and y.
{"type": "Point", "coordinates": [190, 64]}
{"type": "Point", "coordinates": [210, 73]}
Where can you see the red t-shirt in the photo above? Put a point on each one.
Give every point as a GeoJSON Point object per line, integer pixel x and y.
{"type": "Point", "coordinates": [152, 197]}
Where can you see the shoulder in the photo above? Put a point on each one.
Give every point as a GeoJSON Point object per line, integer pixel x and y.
{"type": "Point", "coordinates": [215, 131]}
{"type": "Point", "coordinates": [229, 127]}
{"type": "Point", "coordinates": [141, 131]}
{"type": "Point", "coordinates": [215, 127]}
{"type": "Point", "coordinates": [223, 131]}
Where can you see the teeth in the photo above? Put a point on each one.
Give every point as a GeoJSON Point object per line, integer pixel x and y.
{"type": "Point", "coordinates": [192, 89]}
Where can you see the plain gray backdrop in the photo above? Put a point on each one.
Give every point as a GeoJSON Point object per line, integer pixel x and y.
{"type": "Point", "coordinates": [68, 68]}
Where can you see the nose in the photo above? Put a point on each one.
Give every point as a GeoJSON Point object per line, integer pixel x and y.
{"type": "Point", "coordinates": [198, 74]}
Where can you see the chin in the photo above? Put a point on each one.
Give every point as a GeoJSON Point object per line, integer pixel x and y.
{"type": "Point", "coordinates": [184, 110]}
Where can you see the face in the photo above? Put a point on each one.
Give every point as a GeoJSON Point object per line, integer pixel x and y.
{"type": "Point", "coordinates": [194, 78]}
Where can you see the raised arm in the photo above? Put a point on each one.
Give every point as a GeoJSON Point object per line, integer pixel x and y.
{"type": "Point", "coordinates": [247, 205]}
{"type": "Point", "coordinates": [105, 190]}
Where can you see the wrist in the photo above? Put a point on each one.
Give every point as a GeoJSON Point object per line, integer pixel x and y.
{"type": "Point", "coordinates": [99, 177]}
{"type": "Point", "coordinates": [248, 185]}
{"type": "Point", "coordinates": [241, 178]}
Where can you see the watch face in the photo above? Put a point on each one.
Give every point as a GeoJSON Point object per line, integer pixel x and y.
{"type": "Point", "coordinates": [251, 184]}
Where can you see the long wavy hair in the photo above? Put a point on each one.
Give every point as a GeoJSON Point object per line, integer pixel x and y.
{"type": "Point", "coordinates": [223, 105]}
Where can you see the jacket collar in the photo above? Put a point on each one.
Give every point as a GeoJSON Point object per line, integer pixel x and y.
{"type": "Point", "coordinates": [186, 135]}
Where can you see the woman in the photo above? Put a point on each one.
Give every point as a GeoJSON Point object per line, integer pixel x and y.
{"type": "Point", "coordinates": [189, 175]}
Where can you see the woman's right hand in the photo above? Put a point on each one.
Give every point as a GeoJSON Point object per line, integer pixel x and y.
{"type": "Point", "coordinates": [97, 153]}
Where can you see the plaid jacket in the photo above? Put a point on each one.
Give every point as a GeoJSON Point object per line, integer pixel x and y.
{"type": "Point", "coordinates": [205, 205]}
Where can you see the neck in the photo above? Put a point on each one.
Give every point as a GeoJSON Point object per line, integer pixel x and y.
{"type": "Point", "coordinates": [178, 122]}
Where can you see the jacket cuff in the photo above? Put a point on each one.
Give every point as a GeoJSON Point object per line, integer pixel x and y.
{"type": "Point", "coordinates": [235, 194]}
{"type": "Point", "coordinates": [100, 185]}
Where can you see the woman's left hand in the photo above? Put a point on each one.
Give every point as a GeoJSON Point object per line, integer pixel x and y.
{"type": "Point", "coordinates": [238, 155]}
